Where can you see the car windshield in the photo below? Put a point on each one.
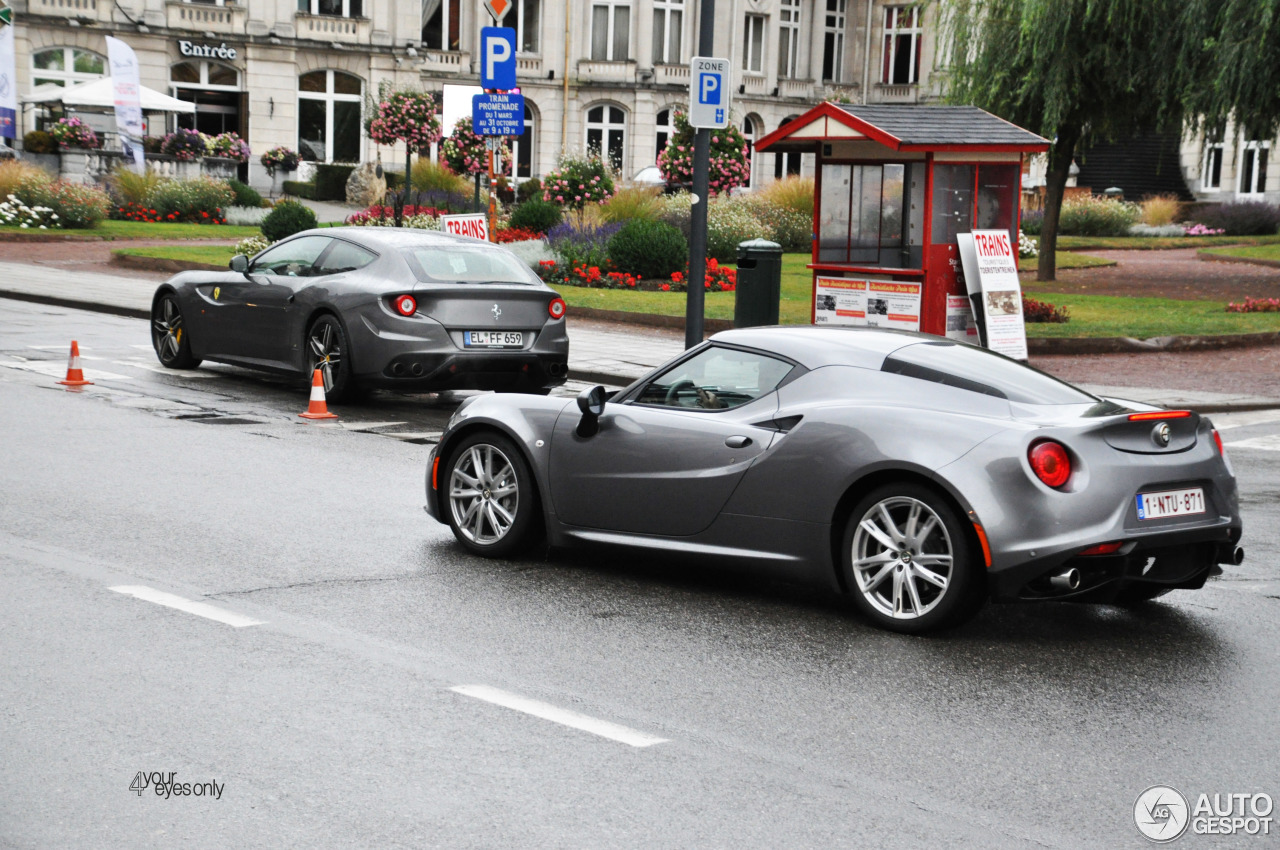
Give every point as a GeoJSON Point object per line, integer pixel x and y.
{"type": "Point", "coordinates": [981, 371]}
{"type": "Point", "coordinates": [465, 264]}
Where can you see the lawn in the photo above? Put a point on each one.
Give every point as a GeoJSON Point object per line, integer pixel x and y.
{"type": "Point", "coordinates": [1066, 260]}
{"type": "Point", "coordinates": [148, 230]}
{"type": "Point", "coordinates": [1156, 243]}
{"type": "Point", "coordinates": [1143, 318]}
{"type": "Point", "coordinates": [217, 254]}
{"type": "Point", "coordinates": [1256, 252]}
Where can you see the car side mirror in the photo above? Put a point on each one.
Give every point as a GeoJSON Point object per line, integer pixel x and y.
{"type": "Point", "coordinates": [239, 263]}
{"type": "Point", "coordinates": [591, 403]}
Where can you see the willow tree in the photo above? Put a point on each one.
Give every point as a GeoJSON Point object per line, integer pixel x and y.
{"type": "Point", "coordinates": [1059, 67]}
{"type": "Point", "coordinates": [1229, 68]}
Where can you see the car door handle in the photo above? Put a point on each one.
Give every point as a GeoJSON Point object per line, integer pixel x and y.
{"type": "Point", "coordinates": [737, 442]}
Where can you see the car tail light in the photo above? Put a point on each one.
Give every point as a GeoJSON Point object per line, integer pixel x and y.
{"type": "Point", "coordinates": [1104, 548]}
{"type": "Point", "coordinates": [1050, 462]}
{"type": "Point", "coordinates": [1217, 441]}
{"type": "Point", "coordinates": [556, 308]}
{"type": "Point", "coordinates": [405, 305]}
{"type": "Point", "coordinates": [1159, 414]}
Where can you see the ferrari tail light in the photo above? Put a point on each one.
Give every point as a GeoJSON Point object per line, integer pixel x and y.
{"type": "Point", "coordinates": [1159, 414]}
{"type": "Point", "coordinates": [405, 305]}
{"type": "Point", "coordinates": [1050, 462]}
{"type": "Point", "coordinates": [1104, 548]}
{"type": "Point", "coordinates": [1217, 441]}
{"type": "Point", "coordinates": [556, 308]}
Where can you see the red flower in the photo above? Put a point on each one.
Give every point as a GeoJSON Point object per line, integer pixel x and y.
{"type": "Point", "coordinates": [666, 287]}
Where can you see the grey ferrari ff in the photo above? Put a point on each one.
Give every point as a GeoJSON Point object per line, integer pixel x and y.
{"type": "Point", "coordinates": [918, 475]}
{"type": "Point", "coordinates": [389, 307]}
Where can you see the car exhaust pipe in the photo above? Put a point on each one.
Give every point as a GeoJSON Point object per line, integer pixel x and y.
{"type": "Point", "coordinates": [1066, 580]}
{"type": "Point", "coordinates": [416, 370]}
{"type": "Point", "coordinates": [397, 369]}
{"type": "Point", "coordinates": [1237, 557]}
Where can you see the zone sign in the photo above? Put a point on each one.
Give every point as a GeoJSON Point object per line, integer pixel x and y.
{"type": "Point", "coordinates": [709, 93]}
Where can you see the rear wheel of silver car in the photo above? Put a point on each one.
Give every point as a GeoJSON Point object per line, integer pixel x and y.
{"type": "Point", "coordinates": [327, 351]}
{"type": "Point", "coordinates": [906, 559]}
{"type": "Point", "coordinates": [491, 496]}
{"type": "Point", "coordinates": [169, 334]}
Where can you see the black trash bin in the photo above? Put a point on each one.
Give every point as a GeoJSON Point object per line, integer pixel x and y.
{"type": "Point", "coordinates": [759, 289]}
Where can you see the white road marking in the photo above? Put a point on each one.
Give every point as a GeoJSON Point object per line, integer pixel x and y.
{"type": "Point", "coordinates": [200, 609]}
{"type": "Point", "coordinates": [1270, 443]}
{"type": "Point", "coordinates": [369, 426]}
{"type": "Point", "coordinates": [161, 370]}
{"type": "Point", "coordinates": [572, 719]}
{"type": "Point", "coordinates": [59, 370]}
{"type": "Point", "coordinates": [1223, 421]}
{"type": "Point", "coordinates": [430, 436]}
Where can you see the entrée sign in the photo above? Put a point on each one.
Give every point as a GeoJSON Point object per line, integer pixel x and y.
{"type": "Point", "coordinates": [207, 51]}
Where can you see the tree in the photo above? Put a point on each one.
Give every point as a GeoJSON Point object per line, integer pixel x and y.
{"type": "Point", "coordinates": [1230, 64]}
{"type": "Point", "coordinates": [729, 165]}
{"type": "Point", "coordinates": [1061, 67]}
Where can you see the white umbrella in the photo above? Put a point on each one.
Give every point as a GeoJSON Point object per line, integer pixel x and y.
{"type": "Point", "coordinates": [100, 93]}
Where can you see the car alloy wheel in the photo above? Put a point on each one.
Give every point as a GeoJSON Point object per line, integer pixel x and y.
{"type": "Point", "coordinates": [327, 351]}
{"type": "Point", "coordinates": [491, 495]}
{"type": "Point", "coordinates": [168, 335]}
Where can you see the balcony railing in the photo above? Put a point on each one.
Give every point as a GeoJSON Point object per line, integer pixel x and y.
{"type": "Point", "coordinates": [796, 88]}
{"type": "Point", "coordinates": [453, 62]}
{"type": "Point", "coordinates": [595, 71]}
{"type": "Point", "coordinates": [529, 66]}
{"type": "Point", "coordinates": [753, 84]}
{"type": "Point", "coordinates": [841, 92]}
{"type": "Point", "coordinates": [205, 17]}
{"type": "Point", "coordinates": [671, 75]}
{"type": "Point", "coordinates": [894, 93]}
{"type": "Point", "coordinates": [93, 10]}
{"type": "Point", "coordinates": [332, 28]}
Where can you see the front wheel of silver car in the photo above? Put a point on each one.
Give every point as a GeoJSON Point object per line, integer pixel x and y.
{"type": "Point", "coordinates": [906, 559]}
{"type": "Point", "coordinates": [491, 497]}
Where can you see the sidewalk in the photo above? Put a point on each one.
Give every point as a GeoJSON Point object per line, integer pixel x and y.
{"type": "Point", "coordinates": [599, 352]}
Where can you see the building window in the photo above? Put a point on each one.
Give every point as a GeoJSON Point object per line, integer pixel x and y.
{"type": "Point", "coordinates": [611, 31]}
{"type": "Point", "coordinates": [528, 15]}
{"type": "Point", "coordinates": [329, 116]}
{"type": "Point", "coordinates": [1211, 181]}
{"type": "Point", "coordinates": [788, 38]}
{"type": "Point", "coordinates": [64, 66]}
{"type": "Point", "coordinates": [833, 40]}
{"type": "Point", "coordinates": [668, 16]}
{"type": "Point", "coordinates": [338, 8]}
{"type": "Point", "coordinates": [664, 130]}
{"type": "Point", "coordinates": [215, 90]}
{"type": "Point", "coordinates": [749, 133]}
{"type": "Point", "coordinates": [1253, 168]}
{"type": "Point", "coordinates": [786, 164]}
{"type": "Point", "coordinates": [607, 134]}
{"type": "Point", "coordinates": [901, 45]}
{"type": "Point", "coordinates": [443, 19]}
{"type": "Point", "coordinates": [753, 44]}
{"type": "Point", "coordinates": [522, 147]}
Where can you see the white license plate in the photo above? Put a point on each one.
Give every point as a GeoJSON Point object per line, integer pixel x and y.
{"type": "Point", "coordinates": [494, 339]}
{"type": "Point", "coordinates": [1171, 503]}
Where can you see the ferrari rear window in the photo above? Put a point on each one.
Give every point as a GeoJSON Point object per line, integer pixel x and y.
{"type": "Point", "coordinates": [464, 264]}
{"type": "Point", "coordinates": [981, 371]}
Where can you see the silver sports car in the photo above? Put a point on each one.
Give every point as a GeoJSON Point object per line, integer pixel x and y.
{"type": "Point", "coordinates": [371, 306]}
{"type": "Point", "coordinates": [918, 475]}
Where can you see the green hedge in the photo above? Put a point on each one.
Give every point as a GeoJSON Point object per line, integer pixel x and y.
{"type": "Point", "coordinates": [300, 190]}
{"type": "Point", "coordinates": [331, 182]}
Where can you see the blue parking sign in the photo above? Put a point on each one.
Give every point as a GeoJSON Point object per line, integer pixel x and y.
{"type": "Point", "coordinates": [709, 93]}
{"type": "Point", "coordinates": [497, 58]}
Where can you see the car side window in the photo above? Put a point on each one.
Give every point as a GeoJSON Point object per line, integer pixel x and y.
{"type": "Point", "coordinates": [344, 257]}
{"type": "Point", "coordinates": [295, 258]}
{"type": "Point", "coordinates": [715, 379]}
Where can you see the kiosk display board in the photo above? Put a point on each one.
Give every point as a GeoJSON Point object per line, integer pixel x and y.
{"type": "Point", "coordinates": [869, 303]}
{"type": "Point", "coordinates": [991, 272]}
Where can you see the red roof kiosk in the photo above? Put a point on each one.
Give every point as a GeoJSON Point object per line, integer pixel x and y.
{"type": "Point", "coordinates": [894, 184]}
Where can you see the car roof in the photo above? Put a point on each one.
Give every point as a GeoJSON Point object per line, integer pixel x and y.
{"type": "Point", "coordinates": [394, 237]}
{"type": "Point", "coordinates": [815, 346]}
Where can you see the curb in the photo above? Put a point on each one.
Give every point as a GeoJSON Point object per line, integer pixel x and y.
{"type": "Point", "coordinates": [1226, 258]}
{"type": "Point", "coordinates": [159, 264]}
{"type": "Point", "coordinates": [650, 320]}
{"type": "Point", "coordinates": [96, 307]}
{"type": "Point", "coordinates": [1155, 345]}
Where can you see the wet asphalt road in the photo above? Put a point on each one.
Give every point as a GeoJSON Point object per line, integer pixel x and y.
{"type": "Point", "coordinates": [787, 722]}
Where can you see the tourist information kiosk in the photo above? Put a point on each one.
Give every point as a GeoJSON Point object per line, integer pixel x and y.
{"type": "Point", "coordinates": [894, 186]}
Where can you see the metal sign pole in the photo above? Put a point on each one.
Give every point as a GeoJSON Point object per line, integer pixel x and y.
{"type": "Point", "coordinates": [695, 299]}
{"type": "Point", "coordinates": [491, 143]}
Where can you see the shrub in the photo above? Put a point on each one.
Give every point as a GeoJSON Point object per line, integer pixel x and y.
{"type": "Point", "coordinates": [677, 211]}
{"type": "Point", "coordinates": [582, 244]}
{"type": "Point", "coordinates": [531, 188]}
{"type": "Point", "coordinates": [1027, 247]}
{"type": "Point", "coordinates": [73, 133]}
{"type": "Point", "coordinates": [183, 144]}
{"type": "Point", "coordinates": [245, 196]}
{"type": "Point", "coordinates": [252, 245]}
{"type": "Point", "coordinates": [331, 181]}
{"type": "Point", "coordinates": [790, 228]}
{"type": "Point", "coordinates": [648, 248]}
{"type": "Point", "coordinates": [729, 223]}
{"type": "Point", "coordinates": [631, 203]}
{"type": "Point", "coordinates": [395, 180]}
{"type": "Point", "coordinates": [1159, 210]}
{"type": "Point", "coordinates": [1242, 218]}
{"type": "Point", "coordinates": [465, 152]}
{"type": "Point", "coordinates": [1088, 215]}
{"type": "Point", "coordinates": [1040, 311]}
{"type": "Point", "coordinates": [38, 141]}
{"type": "Point", "coordinates": [127, 186]}
{"type": "Point", "coordinates": [73, 204]}
{"type": "Point", "coordinates": [299, 189]}
{"type": "Point", "coordinates": [282, 158]}
{"type": "Point", "coordinates": [431, 176]}
{"type": "Point", "coordinates": [152, 144]}
{"type": "Point", "coordinates": [536, 214]}
{"type": "Point", "coordinates": [578, 181]}
{"type": "Point", "coordinates": [729, 165]}
{"type": "Point", "coordinates": [1032, 222]}
{"type": "Point", "coordinates": [1255, 305]}
{"type": "Point", "coordinates": [20, 178]}
{"type": "Point", "coordinates": [288, 218]}
{"type": "Point", "coordinates": [201, 200]}
{"type": "Point", "coordinates": [793, 193]}
{"type": "Point", "coordinates": [14, 213]}
{"type": "Point", "coordinates": [227, 146]}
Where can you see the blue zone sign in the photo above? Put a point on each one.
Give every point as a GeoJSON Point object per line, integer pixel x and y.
{"type": "Point", "coordinates": [497, 114]}
{"type": "Point", "coordinates": [709, 92]}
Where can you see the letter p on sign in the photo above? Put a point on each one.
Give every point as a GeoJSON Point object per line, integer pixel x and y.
{"type": "Point", "coordinates": [498, 58]}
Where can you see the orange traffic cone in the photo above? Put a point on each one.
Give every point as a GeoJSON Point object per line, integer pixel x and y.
{"type": "Point", "coordinates": [75, 375]}
{"type": "Point", "coordinates": [317, 409]}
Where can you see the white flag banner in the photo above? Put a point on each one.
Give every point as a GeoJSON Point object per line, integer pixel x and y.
{"type": "Point", "coordinates": [126, 87]}
{"type": "Point", "coordinates": [8, 82]}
